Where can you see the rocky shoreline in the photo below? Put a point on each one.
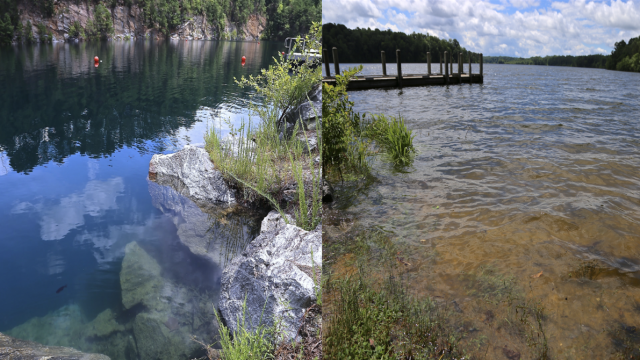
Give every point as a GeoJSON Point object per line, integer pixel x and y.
{"type": "Point", "coordinates": [128, 23]}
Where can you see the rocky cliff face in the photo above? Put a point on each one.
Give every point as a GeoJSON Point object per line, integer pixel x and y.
{"type": "Point", "coordinates": [128, 22]}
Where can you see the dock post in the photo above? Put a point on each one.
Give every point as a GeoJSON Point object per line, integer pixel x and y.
{"type": "Point", "coordinates": [384, 63]}
{"type": "Point", "coordinates": [450, 63]}
{"type": "Point", "coordinates": [481, 73]}
{"type": "Point", "coordinates": [460, 68]}
{"type": "Point", "coordinates": [336, 64]}
{"type": "Point", "coordinates": [440, 56]}
{"type": "Point", "coordinates": [399, 67]}
{"type": "Point", "coordinates": [429, 63]}
{"type": "Point", "coordinates": [446, 68]}
{"type": "Point", "coordinates": [470, 82]}
{"type": "Point", "coordinates": [325, 55]}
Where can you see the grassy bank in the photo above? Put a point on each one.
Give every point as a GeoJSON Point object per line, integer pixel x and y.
{"type": "Point", "coordinates": [275, 164]}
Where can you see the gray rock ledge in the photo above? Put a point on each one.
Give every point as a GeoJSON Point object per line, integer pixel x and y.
{"type": "Point", "coordinates": [275, 269]}
{"type": "Point", "coordinates": [192, 174]}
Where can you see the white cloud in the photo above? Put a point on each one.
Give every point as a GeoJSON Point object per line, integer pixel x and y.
{"type": "Point", "coordinates": [571, 27]}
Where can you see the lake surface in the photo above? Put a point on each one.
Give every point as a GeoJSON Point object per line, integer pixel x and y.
{"type": "Point", "coordinates": [75, 199]}
{"type": "Point", "coordinates": [536, 170]}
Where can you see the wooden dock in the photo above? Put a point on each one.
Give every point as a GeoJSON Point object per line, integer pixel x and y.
{"type": "Point", "coordinates": [446, 77]}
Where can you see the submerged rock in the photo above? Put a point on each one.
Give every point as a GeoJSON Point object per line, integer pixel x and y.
{"type": "Point", "coordinates": [275, 274]}
{"type": "Point", "coordinates": [171, 313]}
{"type": "Point", "coordinates": [16, 349]}
{"type": "Point", "coordinates": [191, 173]}
{"type": "Point", "coordinates": [140, 278]}
{"type": "Point", "coordinates": [104, 325]}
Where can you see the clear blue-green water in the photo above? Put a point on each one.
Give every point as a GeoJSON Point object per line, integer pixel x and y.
{"type": "Point", "coordinates": [533, 175]}
{"type": "Point", "coordinates": [75, 145]}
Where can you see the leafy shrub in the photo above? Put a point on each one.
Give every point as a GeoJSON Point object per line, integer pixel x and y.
{"type": "Point", "coordinates": [344, 147]}
{"type": "Point", "coordinates": [76, 30]}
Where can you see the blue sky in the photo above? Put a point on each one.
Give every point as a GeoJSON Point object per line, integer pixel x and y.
{"type": "Point", "coordinates": [500, 27]}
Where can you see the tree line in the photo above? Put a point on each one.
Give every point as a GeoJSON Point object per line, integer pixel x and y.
{"type": "Point", "coordinates": [285, 18]}
{"type": "Point", "coordinates": [624, 57]}
{"type": "Point", "coordinates": [364, 45]}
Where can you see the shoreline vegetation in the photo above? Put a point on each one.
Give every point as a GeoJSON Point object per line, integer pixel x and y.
{"type": "Point", "coordinates": [276, 163]}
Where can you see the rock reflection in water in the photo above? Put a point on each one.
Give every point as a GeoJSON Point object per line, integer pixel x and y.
{"type": "Point", "coordinates": [217, 232]}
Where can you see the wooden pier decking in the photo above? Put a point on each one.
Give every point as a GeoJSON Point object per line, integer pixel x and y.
{"type": "Point", "coordinates": [448, 77]}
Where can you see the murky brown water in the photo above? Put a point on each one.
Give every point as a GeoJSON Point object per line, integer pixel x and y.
{"type": "Point", "coordinates": [537, 170]}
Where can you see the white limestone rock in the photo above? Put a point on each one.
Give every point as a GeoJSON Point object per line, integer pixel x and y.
{"type": "Point", "coordinates": [192, 174]}
{"type": "Point", "coordinates": [276, 268]}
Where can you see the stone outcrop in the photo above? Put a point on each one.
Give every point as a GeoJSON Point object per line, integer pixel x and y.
{"type": "Point", "coordinates": [15, 349]}
{"type": "Point", "coordinates": [309, 111]}
{"type": "Point", "coordinates": [275, 273]}
{"type": "Point", "coordinates": [191, 173]}
{"type": "Point", "coordinates": [128, 22]}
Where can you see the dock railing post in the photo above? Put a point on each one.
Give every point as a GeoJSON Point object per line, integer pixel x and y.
{"type": "Point", "coordinates": [460, 68]}
{"type": "Point", "coordinates": [399, 67]}
{"type": "Point", "coordinates": [451, 63]}
{"type": "Point", "coordinates": [470, 82]}
{"type": "Point", "coordinates": [446, 68]}
{"type": "Point", "coordinates": [428, 63]}
{"type": "Point", "coordinates": [325, 55]}
{"type": "Point", "coordinates": [440, 56]}
{"type": "Point", "coordinates": [336, 63]}
{"type": "Point", "coordinates": [481, 73]}
{"type": "Point", "coordinates": [384, 63]}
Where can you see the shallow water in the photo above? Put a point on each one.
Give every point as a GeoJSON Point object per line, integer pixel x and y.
{"type": "Point", "coordinates": [536, 170]}
{"type": "Point", "coordinates": [75, 146]}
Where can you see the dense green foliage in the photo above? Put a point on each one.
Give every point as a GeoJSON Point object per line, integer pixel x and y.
{"type": "Point", "coordinates": [364, 45]}
{"type": "Point", "coordinates": [290, 18]}
{"type": "Point", "coordinates": [6, 29]}
{"type": "Point", "coordinates": [625, 57]}
{"type": "Point", "coordinates": [101, 25]}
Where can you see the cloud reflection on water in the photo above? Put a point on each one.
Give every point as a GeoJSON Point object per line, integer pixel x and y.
{"type": "Point", "coordinates": [68, 213]}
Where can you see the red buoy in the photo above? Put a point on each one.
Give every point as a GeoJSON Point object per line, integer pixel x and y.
{"type": "Point", "coordinates": [95, 59]}
{"type": "Point", "coordinates": [244, 59]}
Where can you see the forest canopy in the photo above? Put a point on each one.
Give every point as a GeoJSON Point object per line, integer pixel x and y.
{"type": "Point", "coordinates": [364, 45]}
